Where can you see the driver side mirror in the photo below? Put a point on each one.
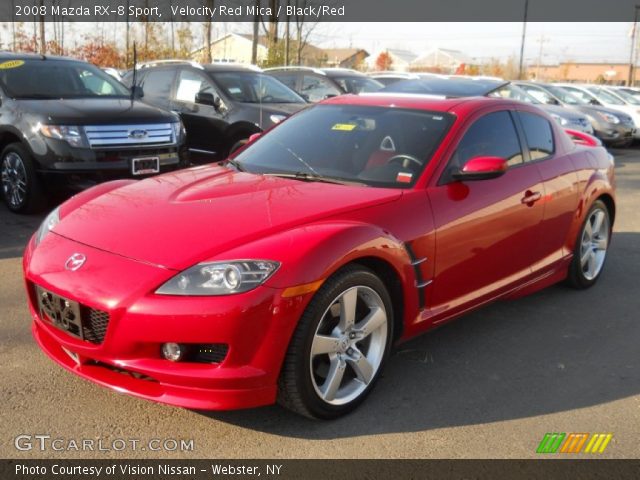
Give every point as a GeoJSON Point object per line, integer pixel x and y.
{"type": "Point", "coordinates": [137, 91]}
{"type": "Point", "coordinates": [482, 168]}
{"type": "Point", "coordinates": [208, 98]}
{"type": "Point", "coordinates": [552, 101]}
{"type": "Point", "coordinates": [593, 101]}
{"type": "Point", "coordinates": [254, 137]}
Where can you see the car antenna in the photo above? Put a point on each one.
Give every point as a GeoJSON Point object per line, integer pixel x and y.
{"type": "Point", "coordinates": [135, 67]}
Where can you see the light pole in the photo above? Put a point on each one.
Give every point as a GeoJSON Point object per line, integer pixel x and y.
{"type": "Point", "coordinates": [631, 78]}
{"type": "Point", "coordinates": [524, 34]}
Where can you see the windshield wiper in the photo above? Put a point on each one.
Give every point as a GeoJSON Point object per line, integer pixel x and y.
{"type": "Point", "coordinates": [312, 177]}
{"type": "Point", "coordinates": [236, 164]}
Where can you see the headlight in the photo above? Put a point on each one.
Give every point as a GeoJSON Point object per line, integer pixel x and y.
{"type": "Point", "coordinates": [609, 118]}
{"type": "Point", "coordinates": [47, 225]}
{"type": "Point", "coordinates": [220, 278]}
{"type": "Point", "coordinates": [179, 132]}
{"type": "Point", "coordinates": [73, 135]}
{"type": "Point", "coordinates": [559, 119]}
{"type": "Point", "coordinates": [277, 118]}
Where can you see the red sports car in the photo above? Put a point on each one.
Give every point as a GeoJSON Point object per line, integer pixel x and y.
{"type": "Point", "coordinates": [287, 273]}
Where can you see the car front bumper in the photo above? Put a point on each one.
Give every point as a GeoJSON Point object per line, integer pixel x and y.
{"type": "Point", "coordinates": [255, 326]}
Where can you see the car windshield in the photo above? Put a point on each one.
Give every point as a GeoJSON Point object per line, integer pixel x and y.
{"type": "Point", "coordinates": [451, 87]}
{"type": "Point", "coordinates": [374, 146]}
{"type": "Point", "coordinates": [57, 79]}
{"type": "Point", "coordinates": [585, 97]}
{"type": "Point", "coordinates": [514, 92]}
{"type": "Point", "coordinates": [565, 96]}
{"type": "Point", "coordinates": [628, 97]}
{"type": "Point", "coordinates": [605, 96]}
{"type": "Point", "coordinates": [356, 84]}
{"type": "Point", "coordinates": [253, 87]}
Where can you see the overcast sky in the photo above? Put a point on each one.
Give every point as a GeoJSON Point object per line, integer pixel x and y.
{"type": "Point", "coordinates": [578, 42]}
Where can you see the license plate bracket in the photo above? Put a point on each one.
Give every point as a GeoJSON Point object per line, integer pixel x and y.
{"type": "Point", "coordinates": [61, 313]}
{"type": "Point", "coordinates": [145, 165]}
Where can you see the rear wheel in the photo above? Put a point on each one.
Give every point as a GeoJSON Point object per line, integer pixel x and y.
{"type": "Point", "coordinates": [591, 247]}
{"type": "Point", "coordinates": [339, 347]}
{"type": "Point", "coordinates": [20, 186]}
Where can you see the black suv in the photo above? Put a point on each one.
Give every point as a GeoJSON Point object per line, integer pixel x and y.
{"type": "Point", "coordinates": [315, 84]}
{"type": "Point", "coordinates": [66, 123]}
{"type": "Point", "coordinates": [221, 105]}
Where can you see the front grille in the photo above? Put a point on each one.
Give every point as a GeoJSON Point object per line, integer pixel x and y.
{"type": "Point", "coordinates": [208, 352]}
{"type": "Point", "coordinates": [94, 324]}
{"type": "Point", "coordinates": [111, 155]}
{"type": "Point", "coordinates": [127, 135]}
{"type": "Point", "coordinates": [123, 371]}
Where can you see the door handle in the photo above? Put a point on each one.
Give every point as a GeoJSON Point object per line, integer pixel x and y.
{"type": "Point", "coordinates": [530, 198]}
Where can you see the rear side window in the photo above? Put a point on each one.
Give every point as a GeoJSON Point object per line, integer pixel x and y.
{"type": "Point", "coordinates": [493, 135]}
{"type": "Point", "coordinates": [538, 133]}
{"type": "Point", "coordinates": [157, 83]}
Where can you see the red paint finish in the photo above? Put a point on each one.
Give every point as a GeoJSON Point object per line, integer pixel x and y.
{"type": "Point", "coordinates": [453, 246]}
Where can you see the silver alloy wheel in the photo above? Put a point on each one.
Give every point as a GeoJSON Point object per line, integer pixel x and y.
{"type": "Point", "coordinates": [14, 179]}
{"type": "Point", "coordinates": [594, 243]}
{"type": "Point", "coordinates": [349, 345]}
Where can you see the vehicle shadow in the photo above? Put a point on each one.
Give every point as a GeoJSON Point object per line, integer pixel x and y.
{"type": "Point", "coordinates": [15, 231]}
{"type": "Point", "coordinates": [557, 350]}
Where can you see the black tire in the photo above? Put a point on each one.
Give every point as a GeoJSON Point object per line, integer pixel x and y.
{"type": "Point", "coordinates": [296, 390]}
{"type": "Point", "coordinates": [577, 277]}
{"type": "Point", "coordinates": [32, 200]}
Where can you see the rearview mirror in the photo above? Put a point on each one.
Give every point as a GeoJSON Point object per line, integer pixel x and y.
{"type": "Point", "coordinates": [208, 98]}
{"type": "Point", "coordinates": [593, 101]}
{"type": "Point", "coordinates": [137, 91]}
{"type": "Point", "coordinates": [482, 168]}
{"type": "Point", "coordinates": [552, 101]}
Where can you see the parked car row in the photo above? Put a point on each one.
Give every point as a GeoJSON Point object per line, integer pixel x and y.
{"type": "Point", "coordinates": [85, 126]}
{"type": "Point", "coordinates": [612, 115]}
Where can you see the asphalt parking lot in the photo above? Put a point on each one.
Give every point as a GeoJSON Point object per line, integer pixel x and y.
{"type": "Point", "coordinates": [487, 386]}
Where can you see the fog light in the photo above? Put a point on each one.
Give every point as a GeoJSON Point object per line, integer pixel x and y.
{"type": "Point", "coordinates": [173, 351]}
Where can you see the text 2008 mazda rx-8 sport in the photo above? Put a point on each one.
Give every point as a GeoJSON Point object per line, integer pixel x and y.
{"type": "Point", "coordinates": [288, 272]}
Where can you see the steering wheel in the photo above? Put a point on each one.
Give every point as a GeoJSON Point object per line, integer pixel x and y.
{"type": "Point", "coordinates": [405, 160]}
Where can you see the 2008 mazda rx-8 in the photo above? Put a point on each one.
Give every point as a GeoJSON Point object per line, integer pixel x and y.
{"type": "Point", "coordinates": [287, 273]}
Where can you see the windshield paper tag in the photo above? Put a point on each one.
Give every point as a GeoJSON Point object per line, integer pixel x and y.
{"type": "Point", "coordinates": [345, 127]}
{"type": "Point", "coordinates": [11, 64]}
{"type": "Point", "coordinates": [404, 177]}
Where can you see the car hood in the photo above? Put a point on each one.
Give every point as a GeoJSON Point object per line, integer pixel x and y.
{"type": "Point", "coordinates": [591, 109]}
{"type": "Point", "coordinates": [92, 111]}
{"type": "Point", "coordinates": [179, 219]}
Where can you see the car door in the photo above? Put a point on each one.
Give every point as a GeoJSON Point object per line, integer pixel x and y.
{"type": "Point", "coordinates": [205, 124]}
{"type": "Point", "coordinates": [560, 185]}
{"type": "Point", "coordinates": [486, 230]}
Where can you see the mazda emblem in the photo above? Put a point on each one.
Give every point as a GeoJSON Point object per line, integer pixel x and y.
{"type": "Point", "coordinates": [75, 261]}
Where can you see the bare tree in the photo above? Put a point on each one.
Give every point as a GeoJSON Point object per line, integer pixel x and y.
{"type": "Point", "coordinates": [256, 34]}
{"type": "Point", "coordinates": [303, 28]}
{"type": "Point", "coordinates": [43, 40]}
{"type": "Point", "coordinates": [208, 30]}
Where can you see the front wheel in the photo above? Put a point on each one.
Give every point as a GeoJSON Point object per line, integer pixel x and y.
{"type": "Point", "coordinates": [339, 347]}
{"type": "Point", "coordinates": [19, 182]}
{"type": "Point", "coordinates": [591, 247]}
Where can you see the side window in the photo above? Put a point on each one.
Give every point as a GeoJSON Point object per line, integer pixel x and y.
{"type": "Point", "coordinates": [317, 88]}
{"type": "Point", "coordinates": [538, 134]}
{"type": "Point", "coordinates": [289, 79]}
{"type": "Point", "coordinates": [190, 83]}
{"type": "Point", "coordinates": [157, 83]}
{"type": "Point", "coordinates": [492, 135]}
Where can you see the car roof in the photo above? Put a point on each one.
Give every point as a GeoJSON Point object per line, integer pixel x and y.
{"type": "Point", "coordinates": [432, 103]}
{"type": "Point", "coordinates": [35, 56]}
{"type": "Point", "coordinates": [452, 87]}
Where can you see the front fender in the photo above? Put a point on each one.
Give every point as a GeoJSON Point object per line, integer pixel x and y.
{"type": "Point", "coordinates": [314, 252]}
